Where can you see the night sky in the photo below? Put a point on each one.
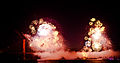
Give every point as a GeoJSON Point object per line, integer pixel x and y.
{"type": "Point", "coordinates": [72, 16]}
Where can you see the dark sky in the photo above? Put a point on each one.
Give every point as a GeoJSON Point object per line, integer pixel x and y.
{"type": "Point", "coordinates": [72, 16]}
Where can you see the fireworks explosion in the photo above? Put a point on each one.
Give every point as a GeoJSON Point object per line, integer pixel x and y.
{"type": "Point", "coordinates": [44, 37]}
{"type": "Point", "coordinates": [96, 40]}
{"type": "Point", "coordinates": [48, 43]}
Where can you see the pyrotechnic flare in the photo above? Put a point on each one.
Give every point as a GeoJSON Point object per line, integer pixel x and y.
{"type": "Point", "coordinates": [96, 39]}
{"type": "Point", "coordinates": [44, 36]}
{"type": "Point", "coordinates": [47, 42]}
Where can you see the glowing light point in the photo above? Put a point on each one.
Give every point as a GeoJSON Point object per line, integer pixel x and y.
{"type": "Point", "coordinates": [91, 29]}
{"type": "Point", "coordinates": [93, 19]}
{"type": "Point", "coordinates": [89, 39]}
{"type": "Point", "coordinates": [90, 23]}
{"type": "Point", "coordinates": [40, 21]}
{"type": "Point", "coordinates": [85, 38]}
{"type": "Point", "coordinates": [102, 29]}
{"type": "Point", "coordinates": [33, 31]}
{"type": "Point", "coordinates": [35, 22]}
{"type": "Point", "coordinates": [30, 45]}
{"type": "Point", "coordinates": [54, 27]}
{"type": "Point", "coordinates": [89, 33]}
{"type": "Point", "coordinates": [98, 22]}
{"type": "Point", "coordinates": [55, 33]}
{"type": "Point", "coordinates": [31, 27]}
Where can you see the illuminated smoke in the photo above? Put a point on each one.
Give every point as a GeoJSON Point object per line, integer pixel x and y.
{"type": "Point", "coordinates": [48, 43]}
{"type": "Point", "coordinates": [45, 37]}
{"type": "Point", "coordinates": [96, 40]}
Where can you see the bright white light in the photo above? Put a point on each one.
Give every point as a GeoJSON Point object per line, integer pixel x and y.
{"type": "Point", "coordinates": [44, 30]}
{"type": "Point", "coordinates": [97, 46]}
{"type": "Point", "coordinates": [97, 34]}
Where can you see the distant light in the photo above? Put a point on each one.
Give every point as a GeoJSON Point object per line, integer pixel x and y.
{"type": "Point", "coordinates": [93, 19]}
{"type": "Point", "coordinates": [90, 23]}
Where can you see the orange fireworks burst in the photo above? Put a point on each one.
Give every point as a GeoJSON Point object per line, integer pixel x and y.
{"type": "Point", "coordinates": [46, 37]}
{"type": "Point", "coordinates": [47, 42]}
{"type": "Point", "coordinates": [96, 35]}
{"type": "Point", "coordinates": [96, 46]}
